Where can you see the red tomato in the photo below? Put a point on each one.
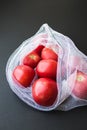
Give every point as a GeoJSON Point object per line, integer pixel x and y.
{"type": "Point", "coordinates": [23, 75]}
{"type": "Point", "coordinates": [38, 49]}
{"type": "Point", "coordinates": [48, 53]}
{"type": "Point", "coordinates": [47, 69]}
{"type": "Point", "coordinates": [80, 87]}
{"type": "Point", "coordinates": [44, 91]}
{"type": "Point", "coordinates": [31, 59]}
{"type": "Point", "coordinates": [73, 62]}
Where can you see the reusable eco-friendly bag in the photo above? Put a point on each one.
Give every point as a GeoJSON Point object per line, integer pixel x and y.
{"type": "Point", "coordinates": [71, 61]}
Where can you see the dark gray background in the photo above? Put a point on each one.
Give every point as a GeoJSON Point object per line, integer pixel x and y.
{"type": "Point", "coordinates": [19, 20]}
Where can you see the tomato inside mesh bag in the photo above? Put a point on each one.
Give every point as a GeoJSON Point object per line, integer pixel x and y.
{"type": "Point", "coordinates": [71, 75]}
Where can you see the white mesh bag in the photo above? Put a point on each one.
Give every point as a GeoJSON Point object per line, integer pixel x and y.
{"type": "Point", "coordinates": [72, 69]}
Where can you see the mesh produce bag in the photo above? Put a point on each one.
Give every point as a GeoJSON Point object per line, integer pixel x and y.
{"type": "Point", "coordinates": [71, 74]}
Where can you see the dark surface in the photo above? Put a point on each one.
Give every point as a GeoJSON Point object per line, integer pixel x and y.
{"type": "Point", "coordinates": [19, 20]}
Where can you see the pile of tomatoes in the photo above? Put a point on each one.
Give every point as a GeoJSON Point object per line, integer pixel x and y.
{"type": "Point", "coordinates": [38, 69]}
{"type": "Point", "coordinates": [41, 62]}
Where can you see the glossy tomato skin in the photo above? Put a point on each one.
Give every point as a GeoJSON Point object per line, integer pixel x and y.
{"type": "Point", "coordinates": [80, 88]}
{"type": "Point", "coordinates": [38, 49]}
{"type": "Point", "coordinates": [44, 91]}
{"type": "Point", "coordinates": [47, 69]}
{"type": "Point", "coordinates": [31, 59]}
{"type": "Point", "coordinates": [48, 53]}
{"type": "Point", "coordinates": [23, 75]}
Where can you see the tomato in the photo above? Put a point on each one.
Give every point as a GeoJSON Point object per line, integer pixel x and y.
{"type": "Point", "coordinates": [47, 68]}
{"type": "Point", "coordinates": [48, 53]}
{"type": "Point", "coordinates": [73, 63]}
{"type": "Point", "coordinates": [31, 59]}
{"type": "Point", "coordinates": [44, 91]}
{"type": "Point", "coordinates": [23, 75]}
{"type": "Point", "coordinates": [80, 87]}
{"type": "Point", "coordinates": [38, 49]}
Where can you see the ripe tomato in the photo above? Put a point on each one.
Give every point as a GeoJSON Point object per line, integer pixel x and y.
{"type": "Point", "coordinates": [80, 87]}
{"type": "Point", "coordinates": [38, 49]}
{"type": "Point", "coordinates": [47, 68]}
{"type": "Point", "coordinates": [73, 62]}
{"type": "Point", "coordinates": [31, 59]}
{"type": "Point", "coordinates": [48, 53]}
{"type": "Point", "coordinates": [23, 75]}
{"type": "Point", "coordinates": [44, 91]}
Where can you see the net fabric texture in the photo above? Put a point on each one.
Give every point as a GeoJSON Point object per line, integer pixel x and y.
{"type": "Point", "coordinates": [70, 60]}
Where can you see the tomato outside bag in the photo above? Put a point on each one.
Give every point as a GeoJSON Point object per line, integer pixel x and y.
{"type": "Point", "coordinates": [71, 62]}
